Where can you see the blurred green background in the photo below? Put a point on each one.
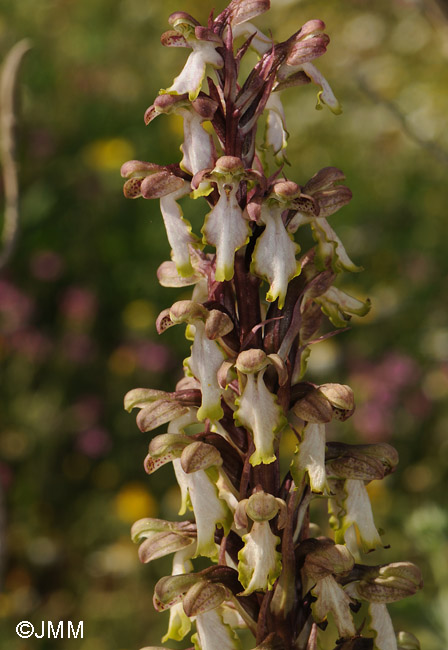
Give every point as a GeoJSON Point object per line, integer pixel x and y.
{"type": "Point", "coordinates": [79, 297]}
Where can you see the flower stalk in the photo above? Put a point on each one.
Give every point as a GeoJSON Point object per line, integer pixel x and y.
{"type": "Point", "coordinates": [257, 306]}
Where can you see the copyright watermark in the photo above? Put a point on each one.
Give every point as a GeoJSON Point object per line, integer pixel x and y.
{"type": "Point", "coordinates": [49, 630]}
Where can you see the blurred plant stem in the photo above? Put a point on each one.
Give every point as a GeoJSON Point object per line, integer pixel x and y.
{"type": "Point", "coordinates": [433, 148]}
{"type": "Point", "coordinates": [8, 89]}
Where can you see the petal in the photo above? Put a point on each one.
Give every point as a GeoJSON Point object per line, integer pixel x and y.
{"type": "Point", "coordinates": [227, 230]}
{"type": "Point", "coordinates": [214, 634]}
{"type": "Point", "coordinates": [332, 598]}
{"type": "Point", "coordinates": [178, 231]}
{"type": "Point", "coordinates": [259, 411]}
{"type": "Point", "coordinates": [310, 458]}
{"type": "Point", "coordinates": [381, 624]}
{"type": "Point", "coordinates": [259, 563]}
{"type": "Point", "coordinates": [326, 95]}
{"type": "Point", "coordinates": [205, 361]}
{"type": "Point", "coordinates": [274, 256]}
{"type": "Point", "coordinates": [209, 510]}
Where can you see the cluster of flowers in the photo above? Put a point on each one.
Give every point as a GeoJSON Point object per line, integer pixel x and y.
{"type": "Point", "coordinates": [244, 384]}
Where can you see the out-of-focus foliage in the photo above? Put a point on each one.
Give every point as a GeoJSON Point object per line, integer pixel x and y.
{"type": "Point", "coordinates": [79, 298]}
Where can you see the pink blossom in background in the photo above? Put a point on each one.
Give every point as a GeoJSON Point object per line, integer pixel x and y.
{"type": "Point", "coordinates": [78, 348]}
{"type": "Point", "coordinates": [154, 357]}
{"type": "Point", "coordinates": [79, 305]}
{"type": "Point", "coordinates": [41, 143]}
{"type": "Point", "coordinates": [32, 344]}
{"type": "Point", "coordinates": [6, 476]}
{"type": "Point", "coordinates": [380, 387]}
{"type": "Point", "coordinates": [46, 265]}
{"type": "Point", "coordinates": [87, 410]}
{"type": "Point", "coordinates": [16, 307]}
{"type": "Point", "coordinates": [93, 442]}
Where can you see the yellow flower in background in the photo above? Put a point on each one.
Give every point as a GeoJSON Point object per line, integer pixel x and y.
{"type": "Point", "coordinates": [134, 502]}
{"type": "Point", "coordinates": [122, 361]}
{"type": "Point", "coordinates": [139, 315]}
{"type": "Point", "coordinates": [107, 154]}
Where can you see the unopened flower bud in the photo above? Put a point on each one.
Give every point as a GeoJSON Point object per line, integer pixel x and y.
{"type": "Point", "coordinates": [262, 507]}
{"type": "Point", "coordinates": [217, 324]}
{"type": "Point", "coordinates": [171, 589]}
{"type": "Point", "coordinates": [160, 184]}
{"type": "Point", "coordinates": [325, 558]}
{"type": "Point", "coordinates": [285, 190]}
{"type": "Point", "coordinates": [163, 449]}
{"type": "Point", "coordinates": [314, 407]}
{"type": "Point", "coordinates": [187, 310]}
{"type": "Point", "coordinates": [241, 11]}
{"type": "Point", "coordinates": [392, 582]}
{"type": "Point", "coordinates": [341, 399]}
{"type": "Point", "coordinates": [199, 455]}
{"type": "Point", "coordinates": [229, 165]}
{"type": "Point", "coordinates": [250, 361]}
{"type": "Point", "coordinates": [203, 597]}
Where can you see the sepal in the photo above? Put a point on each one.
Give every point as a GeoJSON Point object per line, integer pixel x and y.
{"type": "Point", "coordinates": [390, 582]}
